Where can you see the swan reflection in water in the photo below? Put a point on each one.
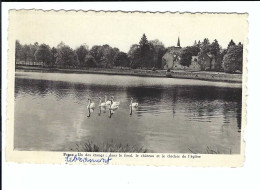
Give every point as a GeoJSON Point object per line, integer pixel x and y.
{"type": "Point", "coordinates": [90, 110]}
{"type": "Point", "coordinates": [90, 107]}
{"type": "Point", "coordinates": [133, 106]}
{"type": "Point", "coordinates": [102, 110]}
{"type": "Point", "coordinates": [131, 110]}
{"type": "Point", "coordinates": [111, 112]}
{"type": "Point", "coordinates": [112, 109]}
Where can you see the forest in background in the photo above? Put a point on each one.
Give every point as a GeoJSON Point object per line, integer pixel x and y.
{"type": "Point", "coordinates": [145, 55]}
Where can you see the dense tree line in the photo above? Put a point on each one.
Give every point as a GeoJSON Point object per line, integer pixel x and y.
{"type": "Point", "coordinates": [146, 54]}
{"type": "Point", "coordinates": [228, 60]}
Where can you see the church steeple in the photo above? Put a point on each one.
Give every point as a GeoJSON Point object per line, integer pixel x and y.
{"type": "Point", "coordinates": [178, 43]}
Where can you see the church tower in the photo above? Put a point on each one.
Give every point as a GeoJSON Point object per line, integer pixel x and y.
{"type": "Point", "coordinates": [178, 43]}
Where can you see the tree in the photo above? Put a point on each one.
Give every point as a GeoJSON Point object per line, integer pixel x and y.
{"type": "Point", "coordinates": [90, 61]}
{"type": "Point", "coordinates": [104, 55]}
{"type": "Point", "coordinates": [53, 55]}
{"type": "Point", "coordinates": [143, 41]}
{"type": "Point", "coordinates": [66, 57]}
{"type": "Point", "coordinates": [18, 51]}
{"type": "Point", "coordinates": [156, 42]}
{"type": "Point", "coordinates": [108, 54]}
{"type": "Point", "coordinates": [96, 53]}
{"type": "Point", "coordinates": [194, 50]}
{"type": "Point", "coordinates": [230, 44]}
{"type": "Point", "coordinates": [146, 54]}
{"type": "Point", "coordinates": [134, 56]}
{"type": "Point", "coordinates": [121, 60]}
{"type": "Point", "coordinates": [185, 57]}
{"type": "Point", "coordinates": [199, 44]}
{"type": "Point", "coordinates": [146, 50]}
{"type": "Point", "coordinates": [116, 50]}
{"type": "Point", "coordinates": [60, 45]}
{"type": "Point", "coordinates": [214, 48]}
{"type": "Point", "coordinates": [82, 51]}
{"type": "Point", "coordinates": [158, 51]}
{"type": "Point", "coordinates": [233, 59]}
{"type": "Point", "coordinates": [205, 46]}
{"type": "Point", "coordinates": [25, 53]}
{"type": "Point", "coordinates": [219, 60]}
{"type": "Point", "coordinates": [33, 49]}
{"type": "Point", "coordinates": [43, 54]}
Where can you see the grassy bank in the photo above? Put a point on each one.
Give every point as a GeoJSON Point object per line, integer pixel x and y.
{"type": "Point", "coordinates": [199, 75]}
{"type": "Point", "coordinates": [106, 147]}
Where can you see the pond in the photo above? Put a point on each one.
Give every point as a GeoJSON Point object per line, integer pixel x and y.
{"type": "Point", "coordinates": [173, 116]}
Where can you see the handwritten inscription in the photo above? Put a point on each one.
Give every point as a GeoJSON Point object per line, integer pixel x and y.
{"type": "Point", "coordinates": [80, 158]}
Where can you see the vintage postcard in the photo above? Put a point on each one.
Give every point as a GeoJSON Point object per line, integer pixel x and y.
{"type": "Point", "coordinates": [130, 88]}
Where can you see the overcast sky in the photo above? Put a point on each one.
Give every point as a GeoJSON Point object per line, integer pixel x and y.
{"type": "Point", "coordinates": [124, 29]}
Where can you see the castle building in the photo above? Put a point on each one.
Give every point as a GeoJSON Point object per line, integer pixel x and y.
{"type": "Point", "coordinates": [171, 59]}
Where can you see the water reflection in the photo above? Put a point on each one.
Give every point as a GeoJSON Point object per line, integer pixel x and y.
{"type": "Point", "coordinates": [90, 111]}
{"type": "Point", "coordinates": [111, 112]}
{"type": "Point", "coordinates": [102, 110]}
{"type": "Point", "coordinates": [112, 109]}
{"type": "Point", "coordinates": [133, 109]}
{"type": "Point", "coordinates": [170, 118]}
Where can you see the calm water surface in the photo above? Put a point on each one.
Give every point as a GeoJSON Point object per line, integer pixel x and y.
{"type": "Point", "coordinates": [174, 115]}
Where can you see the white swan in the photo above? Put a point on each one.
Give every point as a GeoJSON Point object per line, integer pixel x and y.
{"type": "Point", "coordinates": [101, 104]}
{"type": "Point", "coordinates": [108, 102]}
{"type": "Point", "coordinates": [113, 102]}
{"type": "Point", "coordinates": [113, 106]}
{"type": "Point", "coordinates": [90, 105]}
{"type": "Point", "coordinates": [135, 105]}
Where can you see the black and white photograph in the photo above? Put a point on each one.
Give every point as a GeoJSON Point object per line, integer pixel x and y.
{"type": "Point", "coordinates": [119, 82]}
{"type": "Point", "coordinates": [130, 95]}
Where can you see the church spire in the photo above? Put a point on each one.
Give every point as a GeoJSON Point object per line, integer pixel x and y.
{"type": "Point", "coordinates": [178, 43]}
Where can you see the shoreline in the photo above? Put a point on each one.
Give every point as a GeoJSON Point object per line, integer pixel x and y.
{"type": "Point", "coordinates": [196, 75]}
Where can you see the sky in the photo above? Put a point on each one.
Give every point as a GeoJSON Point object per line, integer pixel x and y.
{"type": "Point", "coordinates": [121, 30]}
